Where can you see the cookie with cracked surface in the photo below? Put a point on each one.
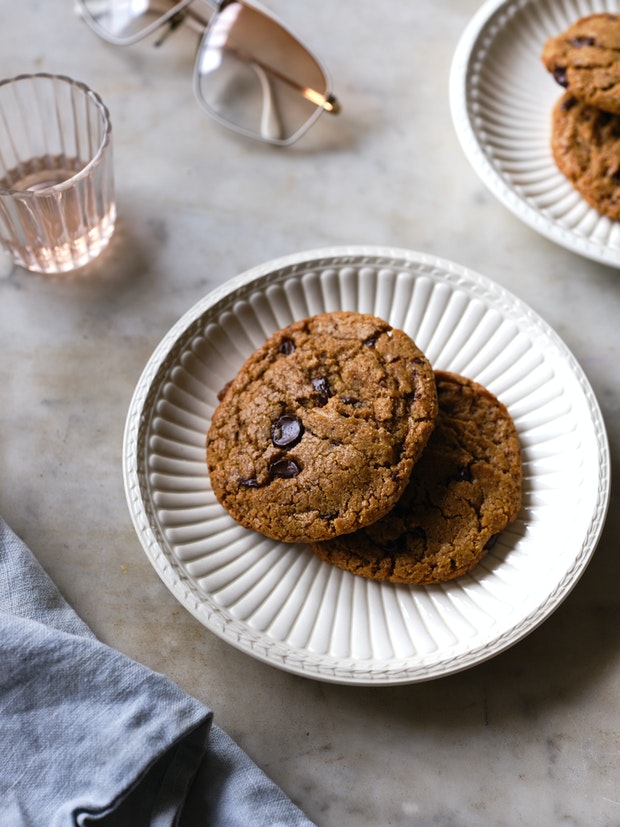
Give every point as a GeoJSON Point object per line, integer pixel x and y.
{"type": "Point", "coordinates": [585, 143]}
{"type": "Point", "coordinates": [464, 490]}
{"type": "Point", "coordinates": [585, 59]}
{"type": "Point", "coordinates": [317, 434]}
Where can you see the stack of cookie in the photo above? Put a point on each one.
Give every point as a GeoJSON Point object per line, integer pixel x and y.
{"type": "Point", "coordinates": [338, 433]}
{"type": "Point", "coordinates": [585, 136]}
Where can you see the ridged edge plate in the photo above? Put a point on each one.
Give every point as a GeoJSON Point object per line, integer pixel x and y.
{"type": "Point", "coordinates": [501, 97]}
{"type": "Point", "coordinates": [278, 602]}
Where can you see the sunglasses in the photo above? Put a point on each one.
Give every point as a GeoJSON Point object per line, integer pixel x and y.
{"type": "Point", "coordinates": [251, 74]}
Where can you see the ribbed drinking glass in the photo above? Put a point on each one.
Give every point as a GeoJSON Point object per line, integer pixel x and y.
{"type": "Point", "coordinates": [57, 207]}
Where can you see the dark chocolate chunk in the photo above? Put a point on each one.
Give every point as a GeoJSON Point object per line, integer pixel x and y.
{"type": "Point", "coordinates": [568, 104]}
{"type": "Point", "coordinates": [284, 468]}
{"type": "Point", "coordinates": [252, 482]}
{"type": "Point", "coordinates": [286, 431]}
{"type": "Point", "coordinates": [321, 385]}
{"type": "Point", "coordinates": [287, 346]}
{"type": "Point", "coordinates": [371, 341]}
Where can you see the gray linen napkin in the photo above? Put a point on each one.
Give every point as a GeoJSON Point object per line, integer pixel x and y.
{"type": "Point", "coordinates": [90, 737]}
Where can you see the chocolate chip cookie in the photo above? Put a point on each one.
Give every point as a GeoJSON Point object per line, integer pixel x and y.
{"type": "Point", "coordinates": [585, 59]}
{"type": "Point", "coordinates": [317, 434]}
{"type": "Point", "coordinates": [585, 143]}
{"type": "Point", "coordinates": [463, 492]}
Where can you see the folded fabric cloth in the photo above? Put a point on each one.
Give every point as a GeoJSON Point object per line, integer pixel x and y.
{"type": "Point", "coordinates": [90, 737]}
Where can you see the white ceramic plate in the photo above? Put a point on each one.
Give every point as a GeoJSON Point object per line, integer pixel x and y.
{"type": "Point", "coordinates": [501, 98]}
{"type": "Point", "coordinates": [278, 602]}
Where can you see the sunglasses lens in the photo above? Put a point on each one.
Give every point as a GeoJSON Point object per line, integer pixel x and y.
{"type": "Point", "coordinates": [253, 75]}
{"type": "Point", "coordinates": [125, 21]}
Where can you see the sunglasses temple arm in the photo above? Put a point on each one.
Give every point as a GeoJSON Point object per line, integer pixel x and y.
{"type": "Point", "coordinates": [326, 102]}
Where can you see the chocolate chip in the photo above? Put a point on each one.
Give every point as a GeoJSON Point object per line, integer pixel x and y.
{"type": "Point", "coordinates": [579, 42]}
{"type": "Point", "coordinates": [252, 482]}
{"type": "Point", "coordinates": [287, 346]}
{"type": "Point", "coordinates": [284, 468]}
{"type": "Point", "coordinates": [371, 341]}
{"type": "Point", "coordinates": [491, 542]}
{"type": "Point", "coordinates": [568, 104]}
{"type": "Point", "coordinates": [286, 431]}
{"type": "Point", "coordinates": [559, 74]}
{"type": "Point", "coordinates": [330, 516]}
{"type": "Point", "coordinates": [350, 400]}
{"type": "Point", "coordinates": [321, 385]}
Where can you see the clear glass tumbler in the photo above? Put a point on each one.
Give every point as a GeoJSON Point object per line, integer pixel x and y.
{"type": "Point", "coordinates": [57, 207]}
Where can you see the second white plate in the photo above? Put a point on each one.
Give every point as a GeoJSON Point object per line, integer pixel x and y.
{"type": "Point", "coordinates": [278, 602]}
{"type": "Point", "coordinates": [501, 97]}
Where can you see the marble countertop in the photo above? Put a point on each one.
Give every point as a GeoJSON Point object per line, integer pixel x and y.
{"type": "Point", "coordinates": [529, 737]}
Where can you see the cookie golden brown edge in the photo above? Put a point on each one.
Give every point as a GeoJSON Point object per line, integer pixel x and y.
{"type": "Point", "coordinates": [463, 492]}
